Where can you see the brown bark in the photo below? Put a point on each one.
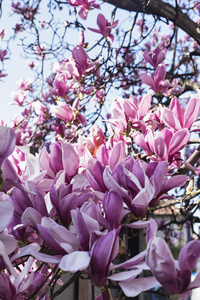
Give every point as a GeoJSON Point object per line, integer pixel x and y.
{"type": "Point", "coordinates": [161, 9]}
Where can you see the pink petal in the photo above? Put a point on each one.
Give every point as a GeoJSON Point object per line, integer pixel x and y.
{"type": "Point", "coordinates": [191, 112]}
{"type": "Point", "coordinates": [170, 119]}
{"type": "Point", "coordinates": [179, 140]}
{"type": "Point", "coordinates": [117, 154]}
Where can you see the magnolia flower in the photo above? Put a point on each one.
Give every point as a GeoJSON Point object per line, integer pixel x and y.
{"type": "Point", "coordinates": [155, 58]}
{"type": "Point", "coordinates": [157, 82]}
{"type": "Point", "coordinates": [105, 27]}
{"type": "Point", "coordinates": [174, 276]}
{"type": "Point", "coordinates": [177, 118]}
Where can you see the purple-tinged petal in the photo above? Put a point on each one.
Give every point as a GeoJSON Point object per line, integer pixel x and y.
{"type": "Point", "coordinates": [160, 148]}
{"type": "Point", "coordinates": [117, 155]}
{"type": "Point", "coordinates": [8, 139]}
{"type": "Point", "coordinates": [126, 275]}
{"type": "Point", "coordinates": [140, 141]}
{"type": "Point", "coordinates": [102, 155]}
{"type": "Point", "coordinates": [75, 261]}
{"type": "Point", "coordinates": [111, 183]}
{"type": "Point", "coordinates": [44, 162]}
{"type": "Point", "coordinates": [7, 289]}
{"type": "Point", "coordinates": [70, 160]}
{"type": "Point", "coordinates": [179, 140]}
{"type": "Point", "coordinates": [113, 206]}
{"type": "Point", "coordinates": [104, 251]}
{"type": "Point", "coordinates": [6, 213]}
{"type": "Point", "coordinates": [80, 57]}
{"type": "Point", "coordinates": [144, 106]}
{"type": "Point", "coordinates": [9, 242]}
{"type": "Point", "coordinates": [178, 110]}
{"type": "Point", "coordinates": [31, 217]}
{"type": "Point", "coordinates": [195, 283]}
{"type": "Point", "coordinates": [4, 254]}
{"type": "Point", "coordinates": [159, 74]}
{"type": "Point", "coordinates": [131, 263]}
{"type": "Point", "coordinates": [189, 255]}
{"type": "Point", "coordinates": [101, 22]}
{"type": "Point", "coordinates": [191, 112]}
{"type": "Point", "coordinates": [162, 265]}
{"type": "Point", "coordinates": [151, 230]}
{"type": "Point", "coordinates": [55, 161]}
{"type": "Point", "coordinates": [147, 79]}
{"type": "Point", "coordinates": [170, 119]}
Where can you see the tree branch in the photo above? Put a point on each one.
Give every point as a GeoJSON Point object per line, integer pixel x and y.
{"type": "Point", "coordinates": [161, 9]}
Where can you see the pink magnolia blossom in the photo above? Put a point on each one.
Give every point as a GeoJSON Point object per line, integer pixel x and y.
{"type": "Point", "coordinates": [62, 85]}
{"type": "Point", "coordinates": [174, 276]}
{"type": "Point", "coordinates": [178, 118]}
{"type": "Point", "coordinates": [105, 27]}
{"type": "Point", "coordinates": [155, 58]}
{"type": "Point", "coordinates": [132, 109]}
{"type": "Point", "coordinates": [62, 111]}
{"type": "Point", "coordinates": [68, 67]}
{"type": "Point", "coordinates": [83, 6]}
{"type": "Point", "coordinates": [19, 97]}
{"type": "Point", "coordinates": [165, 144]}
{"type": "Point", "coordinates": [157, 82]}
{"type": "Point", "coordinates": [84, 64]}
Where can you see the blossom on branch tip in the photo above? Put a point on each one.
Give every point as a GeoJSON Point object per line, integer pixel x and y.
{"type": "Point", "coordinates": [105, 27]}
{"type": "Point", "coordinates": [155, 58]}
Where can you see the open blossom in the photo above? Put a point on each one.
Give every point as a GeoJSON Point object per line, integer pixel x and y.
{"type": "Point", "coordinates": [105, 27]}
{"type": "Point", "coordinates": [62, 111]}
{"type": "Point", "coordinates": [83, 6]}
{"type": "Point", "coordinates": [130, 110]}
{"type": "Point", "coordinates": [19, 96]}
{"type": "Point", "coordinates": [83, 63]}
{"type": "Point", "coordinates": [178, 118]}
{"type": "Point", "coordinates": [155, 58]}
{"type": "Point", "coordinates": [158, 83]}
{"type": "Point", "coordinates": [174, 276]}
{"type": "Point", "coordinates": [165, 143]}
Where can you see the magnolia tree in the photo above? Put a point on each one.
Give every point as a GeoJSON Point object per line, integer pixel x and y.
{"type": "Point", "coordinates": [111, 114]}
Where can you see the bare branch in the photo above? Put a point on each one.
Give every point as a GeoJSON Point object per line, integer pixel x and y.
{"type": "Point", "coordinates": [161, 9]}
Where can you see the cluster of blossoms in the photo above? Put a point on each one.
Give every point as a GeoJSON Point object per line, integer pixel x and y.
{"type": "Point", "coordinates": [70, 206]}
